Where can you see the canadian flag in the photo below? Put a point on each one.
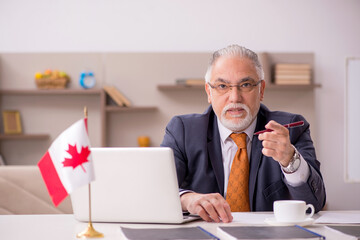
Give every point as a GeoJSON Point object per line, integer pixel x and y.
{"type": "Point", "coordinates": [67, 164]}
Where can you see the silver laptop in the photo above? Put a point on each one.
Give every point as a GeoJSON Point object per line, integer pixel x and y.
{"type": "Point", "coordinates": [131, 185]}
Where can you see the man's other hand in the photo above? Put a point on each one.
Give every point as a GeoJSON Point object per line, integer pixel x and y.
{"type": "Point", "coordinates": [211, 207]}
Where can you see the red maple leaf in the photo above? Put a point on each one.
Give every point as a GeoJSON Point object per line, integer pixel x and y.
{"type": "Point", "coordinates": [77, 158]}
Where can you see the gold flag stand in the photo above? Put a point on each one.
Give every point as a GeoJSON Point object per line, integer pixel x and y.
{"type": "Point", "coordinates": [90, 232]}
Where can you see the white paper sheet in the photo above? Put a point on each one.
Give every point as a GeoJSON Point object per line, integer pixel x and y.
{"type": "Point", "coordinates": [339, 217]}
{"type": "Point", "coordinates": [251, 217]}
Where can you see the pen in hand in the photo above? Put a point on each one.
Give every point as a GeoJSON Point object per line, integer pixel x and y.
{"type": "Point", "coordinates": [289, 125]}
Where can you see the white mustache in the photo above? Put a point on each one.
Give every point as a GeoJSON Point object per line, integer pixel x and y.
{"type": "Point", "coordinates": [235, 105]}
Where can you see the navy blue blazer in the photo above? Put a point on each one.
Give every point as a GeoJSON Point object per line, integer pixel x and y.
{"type": "Point", "coordinates": [195, 141]}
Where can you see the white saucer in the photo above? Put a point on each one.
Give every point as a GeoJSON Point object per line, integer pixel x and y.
{"type": "Point", "coordinates": [273, 222]}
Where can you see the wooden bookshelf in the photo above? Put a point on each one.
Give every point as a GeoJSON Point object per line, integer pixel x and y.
{"type": "Point", "coordinates": [98, 98]}
{"type": "Point", "coordinates": [99, 93]}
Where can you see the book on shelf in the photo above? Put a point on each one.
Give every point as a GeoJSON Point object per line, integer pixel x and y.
{"type": "Point", "coordinates": [191, 82]}
{"type": "Point", "coordinates": [117, 96]}
{"type": "Point", "coordinates": [292, 66]}
{"type": "Point", "coordinates": [293, 72]}
{"type": "Point", "coordinates": [292, 82]}
{"type": "Point", "coordinates": [294, 76]}
{"type": "Point", "coordinates": [180, 233]}
{"type": "Point", "coordinates": [251, 232]}
{"type": "Point", "coordinates": [289, 79]}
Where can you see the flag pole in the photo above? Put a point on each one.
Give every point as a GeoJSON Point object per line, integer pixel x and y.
{"type": "Point", "coordinates": [89, 232]}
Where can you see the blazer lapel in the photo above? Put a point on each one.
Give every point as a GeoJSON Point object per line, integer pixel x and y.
{"type": "Point", "coordinates": [256, 156]}
{"type": "Point", "coordinates": [214, 152]}
{"type": "Point", "coordinates": [255, 160]}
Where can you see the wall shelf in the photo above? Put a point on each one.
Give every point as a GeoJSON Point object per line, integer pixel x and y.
{"type": "Point", "coordinates": [291, 87]}
{"type": "Point", "coordinates": [270, 86]}
{"type": "Point", "coordinates": [166, 87]}
{"type": "Point", "coordinates": [129, 109]}
{"type": "Point", "coordinates": [24, 136]}
{"type": "Point", "coordinates": [50, 92]}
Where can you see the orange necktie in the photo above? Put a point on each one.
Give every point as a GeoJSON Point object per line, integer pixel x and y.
{"type": "Point", "coordinates": [238, 187]}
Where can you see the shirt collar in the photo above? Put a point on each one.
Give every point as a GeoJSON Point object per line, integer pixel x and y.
{"type": "Point", "coordinates": [225, 132]}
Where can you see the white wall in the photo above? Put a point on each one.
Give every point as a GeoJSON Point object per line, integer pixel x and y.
{"type": "Point", "coordinates": [330, 29]}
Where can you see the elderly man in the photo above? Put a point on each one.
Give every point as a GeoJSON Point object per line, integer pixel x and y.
{"type": "Point", "coordinates": [222, 166]}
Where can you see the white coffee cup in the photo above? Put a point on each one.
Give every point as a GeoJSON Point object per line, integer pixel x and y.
{"type": "Point", "coordinates": [292, 210]}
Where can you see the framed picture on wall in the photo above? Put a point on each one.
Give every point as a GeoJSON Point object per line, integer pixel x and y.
{"type": "Point", "coordinates": [12, 123]}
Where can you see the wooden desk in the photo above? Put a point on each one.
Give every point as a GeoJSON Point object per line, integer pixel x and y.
{"type": "Point", "coordinates": [64, 226]}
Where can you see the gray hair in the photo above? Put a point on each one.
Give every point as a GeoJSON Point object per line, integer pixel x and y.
{"type": "Point", "coordinates": [235, 50]}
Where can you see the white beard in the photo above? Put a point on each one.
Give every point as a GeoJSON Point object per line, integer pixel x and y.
{"type": "Point", "coordinates": [236, 125]}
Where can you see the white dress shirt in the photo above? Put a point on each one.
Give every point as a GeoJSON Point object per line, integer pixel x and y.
{"type": "Point", "coordinates": [229, 148]}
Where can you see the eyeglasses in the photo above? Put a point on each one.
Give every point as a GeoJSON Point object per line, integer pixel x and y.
{"type": "Point", "coordinates": [223, 88]}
